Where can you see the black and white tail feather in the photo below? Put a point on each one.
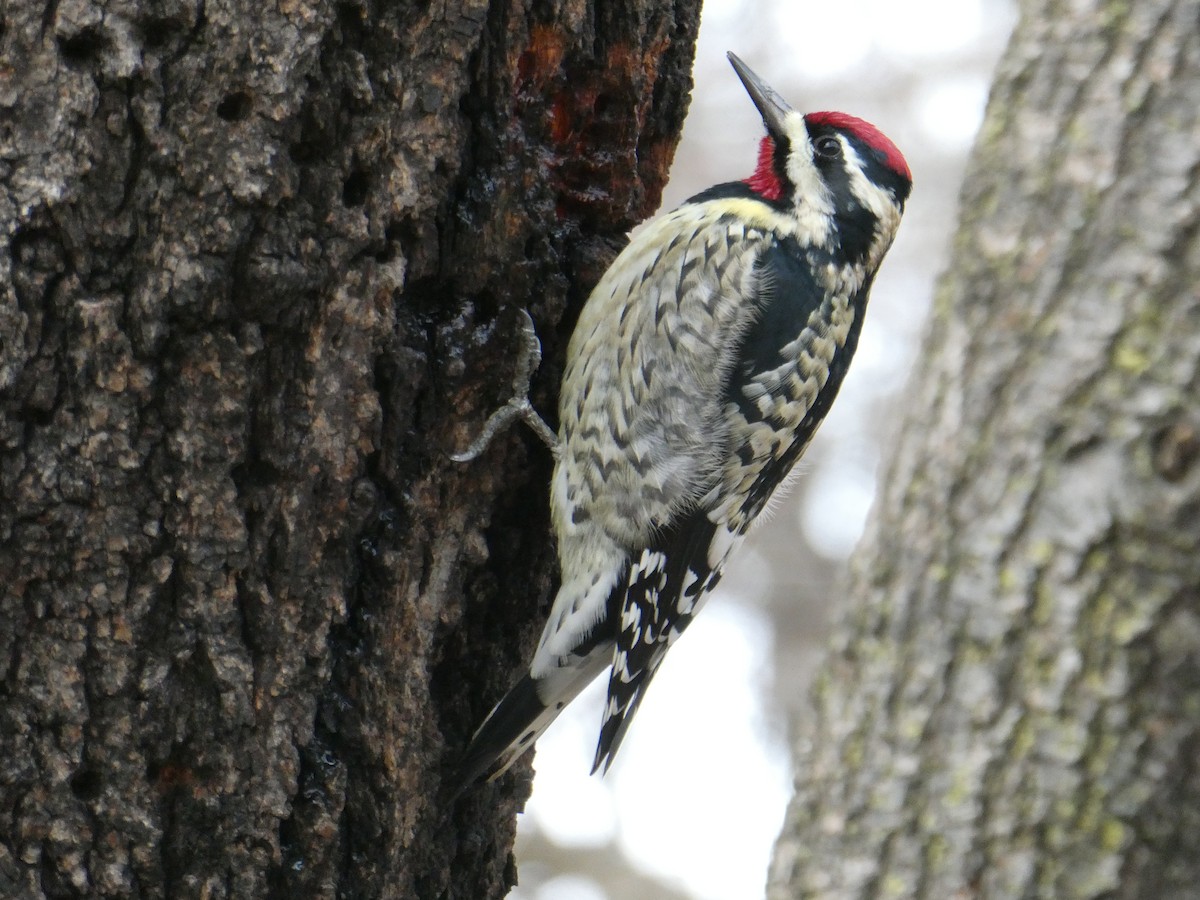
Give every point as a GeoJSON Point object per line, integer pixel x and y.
{"type": "Point", "coordinates": [697, 374]}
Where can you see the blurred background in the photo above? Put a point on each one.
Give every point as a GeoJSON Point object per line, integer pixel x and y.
{"type": "Point", "coordinates": [692, 806]}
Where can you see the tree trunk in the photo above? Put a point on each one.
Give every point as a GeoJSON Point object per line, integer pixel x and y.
{"type": "Point", "coordinates": [1012, 708]}
{"type": "Point", "coordinates": [259, 267]}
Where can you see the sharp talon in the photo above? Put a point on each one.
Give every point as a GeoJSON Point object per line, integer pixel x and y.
{"type": "Point", "coordinates": [496, 422]}
{"type": "Point", "coordinates": [518, 405]}
{"type": "Point", "coordinates": [531, 355]}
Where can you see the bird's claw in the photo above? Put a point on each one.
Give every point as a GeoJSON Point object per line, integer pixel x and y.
{"type": "Point", "coordinates": [518, 406]}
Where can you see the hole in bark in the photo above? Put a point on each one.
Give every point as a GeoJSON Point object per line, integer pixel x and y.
{"type": "Point", "coordinates": [352, 17]}
{"type": "Point", "coordinates": [50, 879]}
{"type": "Point", "coordinates": [235, 106]}
{"type": "Point", "coordinates": [158, 31]}
{"type": "Point", "coordinates": [303, 152]}
{"type": "Point", "coordinates": [391, 244]}
{"type": "Point", "coordinates": [86, 784]}
{"type": "Point", "coordinates": [314, 142]}
{"type": "Point", "coordinates": [1176, 449]}
{"type": "Point", "coordinates": [83, 47]}
{"type": "Point", "coordinates": [33, 416]}
{"type": "Point", "coordinates": [354, 189]}
{"type": "Point", "coordinates": [38, 263]}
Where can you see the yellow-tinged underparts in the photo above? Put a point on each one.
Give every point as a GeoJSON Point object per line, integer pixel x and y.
{"type": "Point", "coordinates": [698, 372]}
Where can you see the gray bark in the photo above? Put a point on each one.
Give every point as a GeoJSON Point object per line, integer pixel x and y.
{"type": "Point", "coordinates": [1012, 704]}
{"type": "Point", "coordinates": [258, 273]}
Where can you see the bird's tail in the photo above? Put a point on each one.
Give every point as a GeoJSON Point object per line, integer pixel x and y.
{"type": "Point", "coordinates": [527, 710]}
{"type": "Point", "coordinates": [623, 702]}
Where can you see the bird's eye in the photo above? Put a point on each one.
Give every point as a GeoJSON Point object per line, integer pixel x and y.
{"type": "Point", "coordinates": [828, 147]}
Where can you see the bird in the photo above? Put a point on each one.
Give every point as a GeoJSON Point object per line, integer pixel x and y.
{"type": "Point", "coordinates": [697, 374]}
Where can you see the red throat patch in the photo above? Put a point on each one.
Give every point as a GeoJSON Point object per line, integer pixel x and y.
{"type": "Point", "coordinates": [765, 180]}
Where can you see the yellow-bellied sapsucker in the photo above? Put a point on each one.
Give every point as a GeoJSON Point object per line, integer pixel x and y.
{"type": "Point", "coordinates": [700, 368]}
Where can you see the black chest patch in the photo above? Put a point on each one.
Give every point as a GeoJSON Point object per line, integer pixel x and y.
{"type": "Point", "coordinates": [792, 300]}
{"type": "Point", "coordinates": [788, 295]}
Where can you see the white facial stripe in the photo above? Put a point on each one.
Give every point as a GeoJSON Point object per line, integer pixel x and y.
{"type": "Point", "coordinates": [814, 205]}
{"type": "Point", "coordinates": [865, 192]}
{"type": "Point", "coordinates": [873, 198]}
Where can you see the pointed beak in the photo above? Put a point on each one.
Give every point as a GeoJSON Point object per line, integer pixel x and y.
{"type": "Point", "coordinates": [770, 105]}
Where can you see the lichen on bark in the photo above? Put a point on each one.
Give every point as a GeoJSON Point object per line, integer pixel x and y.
{"type": "Point", "coordinates": [1011, 706]}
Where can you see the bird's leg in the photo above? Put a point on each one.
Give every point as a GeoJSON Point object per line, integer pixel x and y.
{"type": "Point", "coordinates": [518, 406]}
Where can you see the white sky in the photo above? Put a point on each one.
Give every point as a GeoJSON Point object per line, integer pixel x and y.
{"type": "Point", "coordinates": [699, 789]}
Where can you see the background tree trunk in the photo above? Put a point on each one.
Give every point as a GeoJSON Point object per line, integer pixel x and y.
{"type": "Point", "coordinates": [1012, 708]}
{"type": "Point", "coordinates": [258, 273]}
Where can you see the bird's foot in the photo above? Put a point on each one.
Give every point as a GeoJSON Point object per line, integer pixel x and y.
{"type": "Point", "coordinates": [518, 406]}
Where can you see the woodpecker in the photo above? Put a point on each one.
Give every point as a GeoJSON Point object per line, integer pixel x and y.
{"type": "Point", "coordinates": [698, 372]}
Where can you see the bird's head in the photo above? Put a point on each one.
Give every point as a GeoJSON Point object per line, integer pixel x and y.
{"type": "Point", "coordinates": [841, 177]}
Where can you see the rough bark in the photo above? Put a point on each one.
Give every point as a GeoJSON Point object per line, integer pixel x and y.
{"type": "Point", "coordinates": [1012, 708]}
{"type": "Point", "coordinates": [258, 273]}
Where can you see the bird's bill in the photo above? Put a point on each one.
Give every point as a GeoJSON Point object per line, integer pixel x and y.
{"type": "Point", "coordinates": [771, 106]}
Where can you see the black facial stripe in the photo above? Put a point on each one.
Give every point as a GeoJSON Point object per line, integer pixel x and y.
{"type": "Point", "coordinates": [873, 162]}
{"type": "Point", "coordinates": [782, 148]}
{"type": "Point", "coordinates": [878, 172]}
{"type": "Point", "coordinates": [855, 224]}
{"type": "Point", "coordinates": [885, 178]}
